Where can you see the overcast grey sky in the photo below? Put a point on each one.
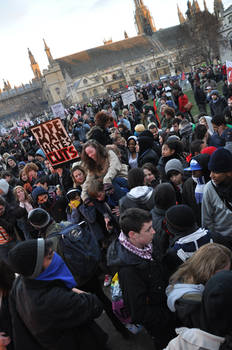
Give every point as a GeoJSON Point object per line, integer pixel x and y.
{"type": "Point", "coordinates": [69, 26]}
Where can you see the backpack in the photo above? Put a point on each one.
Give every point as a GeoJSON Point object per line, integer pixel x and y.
{"type": "Point", "coordinates": [119, 308]}
{"type": "Point", "coordinates": [80, 251]}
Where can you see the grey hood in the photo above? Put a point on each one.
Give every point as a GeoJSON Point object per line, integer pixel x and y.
{"type": "Point", "coordinates": [140, 194]}
{"type": "Point", "coordinates": [178, 290]}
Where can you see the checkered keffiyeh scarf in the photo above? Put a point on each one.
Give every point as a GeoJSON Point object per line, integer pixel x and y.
{"type": "Point", "coordinates": [145, 253]}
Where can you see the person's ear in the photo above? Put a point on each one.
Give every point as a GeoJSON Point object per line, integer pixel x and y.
{"type": "Point", "coordinates": [132, 235]}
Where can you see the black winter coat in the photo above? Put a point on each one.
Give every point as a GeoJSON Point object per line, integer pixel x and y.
{"type": "Point", "coordinates": [65, 181]}
{"type": "Point", "coordinates": [149, 156]}
{"type": "Point", "coordinates": [101, 135]}
{"type": "Point", "coordinates": [48, 315]}
{"type": "Point", "coordinates": [188, 196]}
{"type": "Point", "coordinates": [218, 107]}
{"type": "Point", "coordinates": [143, 283]}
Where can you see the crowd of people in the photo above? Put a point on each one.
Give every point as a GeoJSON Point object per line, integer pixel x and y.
{"type": "Point", "coordinates": [150, 195]}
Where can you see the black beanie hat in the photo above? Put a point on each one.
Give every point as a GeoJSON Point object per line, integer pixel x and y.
{"type": "Point", "coordinates": [26, 258]}
{"type": "Point", "coordinates": [165, 196]}
{"type": "Point", "coordinates": [220, 161]}
{"type": "Point", "coordinates": [180, 218]}
{"type": "Point", "coordinates": [39, 218]}
{"type": "Point", "coordinates": [217, 304]}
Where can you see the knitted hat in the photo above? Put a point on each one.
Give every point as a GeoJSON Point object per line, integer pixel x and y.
{"type": "Point", "coordinates": [39, 218]}
{"type": "Point", "coordinates": [174, 164]}
{"type": "Point", "coordinates": [21, 164]}
{"type": "Point", "coordinates": [26, 258]}
{"type": "Point", "coordinates": [217, 303]}
{"type": "Point", "coordinates": [40, 153]}
{"type": "Point", "coordinates": [214, 92]}
{"type": "Point", "coordinates": [13, 158]}
{"type": "Point", "coordinates": [4, 186]}
{"type": "Point", "coordinates": [180, 218]}
{"type": "Point", "coordinates": [209, 150]}
{"type": "Point", "coordinates": [220, 161]}
{"type": "Point", "coordinates": [37, 192]}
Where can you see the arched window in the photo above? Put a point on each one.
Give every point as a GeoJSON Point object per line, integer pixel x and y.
{"type": "Point", "coordinates": [85, 81]}
{"type": "Point", "coordinates": [114, 77]}
{"type": "Point", "coordinates": [137, 70]}
{"type": "Point", "coordinates": [230, 19]}
{"type": "Point", "coordinates": [95, 92]}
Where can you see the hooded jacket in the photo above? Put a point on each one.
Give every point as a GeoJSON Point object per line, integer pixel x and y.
{"type": "Point", "coordinates": [194, 339]}
{"type": "Point", "coordinates": [143, 286]}
{"type": "Point", "coordinates": [185, 300]}
{"type": "Point", "coordinates": [139, 197]}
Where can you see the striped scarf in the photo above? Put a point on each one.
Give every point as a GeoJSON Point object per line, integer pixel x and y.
{"type": "Point", "coordinates": [145, 253]}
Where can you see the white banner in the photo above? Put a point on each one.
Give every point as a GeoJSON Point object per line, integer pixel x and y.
{"type": "Point", "coordinates": [128, 98]}
{"type": "Point", "coordinates": [58, 110]}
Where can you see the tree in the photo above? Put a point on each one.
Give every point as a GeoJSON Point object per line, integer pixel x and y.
{"type": "Point", "coordinates": [198, 39]}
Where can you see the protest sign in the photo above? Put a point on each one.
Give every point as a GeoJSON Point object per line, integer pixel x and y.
{"type": "Point", "coordinates": [229, 71]}
{"type": "Point", "coordinates": [58, 110]}
{"type": "Point", "coordinates": [128, 97]}
{"type": "Point", "coordinates": [55, 142]}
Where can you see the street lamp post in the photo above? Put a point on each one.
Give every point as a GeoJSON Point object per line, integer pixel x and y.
{"type": "Point", "coordinates": [156, 70]}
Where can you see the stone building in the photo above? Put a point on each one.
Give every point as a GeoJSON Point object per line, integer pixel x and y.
{"type": "Point", "coordinates": [226, 31]}
{"type": "Point", "coordinates": [112, 66]}
{"type": "Point", "coordinates": [24, 101]}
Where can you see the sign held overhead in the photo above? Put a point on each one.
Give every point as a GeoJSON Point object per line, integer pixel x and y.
{"type": "Point", "coordinates": [55, 142]}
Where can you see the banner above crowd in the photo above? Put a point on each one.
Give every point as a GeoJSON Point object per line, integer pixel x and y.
{"type": "Point", "coordinates": [55, 142]}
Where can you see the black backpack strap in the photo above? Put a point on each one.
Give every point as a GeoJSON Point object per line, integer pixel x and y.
{"type": "Point", "coordinates": [225, 201]}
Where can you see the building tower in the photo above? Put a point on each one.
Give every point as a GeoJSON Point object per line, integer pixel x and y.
{"type": "Point", "coordinates": [189, 11]}
{"type": "Point", "coordinates": [125, 35]}
{"type": "Point", "coordinates": [196, 6]}
{"type": "Point", "coordinates": [143, 19]}
{"type": "Point", "coordinates": [34, 66]}
{"type": "Point", "coordinates": [180, 15]}
{"type": "Point", "coordinates": [218, 8]}
{"type": "Point", "coordinates": [48, 53]}
{"type": "Point", "coordinates": [205, 7]}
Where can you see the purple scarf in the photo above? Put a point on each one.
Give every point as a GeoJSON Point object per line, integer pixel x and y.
{"type": "Point", "coordinates": [145, 253]}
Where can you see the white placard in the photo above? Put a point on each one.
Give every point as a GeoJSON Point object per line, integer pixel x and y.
{"type": "Point", "coordinates": [128, 97]}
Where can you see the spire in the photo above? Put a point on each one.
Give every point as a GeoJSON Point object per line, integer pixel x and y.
{"type": "Point", "coordinates": [31, 57]}
{"type": "Point", "coordinates": [125, 35]}
{"type": "Point", "coordinates": [218, 8]}
{"type": "Point", "coordinates": [189, 11]}
{"type": "Point", "coordinates": [197, 7]}
{"type": "Point", "coordinates": [143, 19]}
{"type": "Point", "coordinates": [48, 53]}
{"type": "Point", "coordinates": [180, 15]}
{"type": "Point", "coordinates": [205, 7]}
{"type": "Point", "coordinates": [34, 66]}
{"type": "Point", "coordinates": [8, 84]}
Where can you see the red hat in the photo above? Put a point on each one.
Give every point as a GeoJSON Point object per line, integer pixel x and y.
{"type": "Point", "coordinates": [209, 150]}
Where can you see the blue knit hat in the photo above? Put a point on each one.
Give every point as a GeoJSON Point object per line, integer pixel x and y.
{"type": "Point", "coordinates": [40, 152]}
{"type": "Point", "coordinates": [37, 192]}
{"type": "Point", "coordinates": [220, 161]}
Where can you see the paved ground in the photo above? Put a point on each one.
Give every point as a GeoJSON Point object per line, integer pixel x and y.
{"type": "Point", "coordinates": [139, 341]}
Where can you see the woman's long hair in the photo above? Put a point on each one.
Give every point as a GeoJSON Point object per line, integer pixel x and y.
{"type": "Point", "coordinates": [101, 153]}
{"type": "Point", "coordinates": [27, 196]}
{"type": "Point", "coordinates": [204, 263]}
